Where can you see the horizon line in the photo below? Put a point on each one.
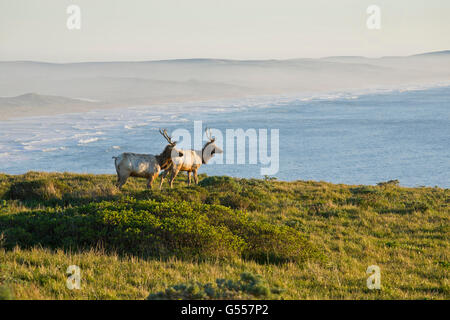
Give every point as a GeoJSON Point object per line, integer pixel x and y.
{"type": "Point", "coordinates": [236, 60]}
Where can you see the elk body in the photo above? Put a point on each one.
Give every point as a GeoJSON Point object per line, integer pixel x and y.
{"type": "Point", "coordinates": [191, 161]}
{"type": "Point", "coordinates": [145, 165]}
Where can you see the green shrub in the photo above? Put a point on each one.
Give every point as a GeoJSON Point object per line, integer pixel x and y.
{"type": "Point", "coordinates": [144, 228]}
{"type": "Point", "coordinates": [6, 293]}
{"type": "Point", "coordinates": [42, 189]}
{"type": "Point", "coordinates": [276, 244]}
{"type": "Point", "coordinates": [151, 228]}
{"type": "Point", "coordinates": [220, 183]}
{"type": "Point", "coordinates": [249, 286]}
{"type": "Point", "coordinates": [389, 183]}
{"type": "Point", "coordinates": [265, 242]}
{"type": "Point", "coordinates": [235, 201]}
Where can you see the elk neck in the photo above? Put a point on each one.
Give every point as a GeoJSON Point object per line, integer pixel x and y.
{"type": "Point", "coordinates": [165, 157]}
{"type": "Point", "coordinates": [207, 156]}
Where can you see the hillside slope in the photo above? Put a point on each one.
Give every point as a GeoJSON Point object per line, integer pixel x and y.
{"type": "Point", "coordinates": [308, 240]}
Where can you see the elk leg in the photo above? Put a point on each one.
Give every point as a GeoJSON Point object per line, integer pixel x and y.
{"type": "Point", "coordinates": [173, 176]}
{"type": "Point", "coordinates": [121, 181]}
{"type": "Point", "coordinates": [118, 176]}
{"type": "Point", "coordinates": [151, 179]}
{"type": "Point", "coordinates": [195, 177]}
{"type": "Point", "coordinates": [189, 178]}
{"type": "Point", "coordinates": [163, 176]}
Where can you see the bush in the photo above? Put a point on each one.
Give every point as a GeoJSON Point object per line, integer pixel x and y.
{"type": "Point", "coordinates": [389, 183]}
{"type": "Point", "coordinates": [42, 189]}
{"type": "Point", "coordinates": [143, 228]}
{"type": "Point", "coordinates": [6, 293]}
{"type": "Point", "coordinates": [151, 228]}
{"type": "Point", "coordinates": [265, 242]}
{"type": "Point", "coordinates": [221, 183]}
{"type": "Point", "coordinates": [249, 286]}
{"type": "Point", "coordinates": [235, 201]}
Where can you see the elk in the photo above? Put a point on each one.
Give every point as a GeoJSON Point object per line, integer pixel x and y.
{"type": "Point", "coordinates": [191, 160]}
{"type": "Point", "coordinates": [145, 165]}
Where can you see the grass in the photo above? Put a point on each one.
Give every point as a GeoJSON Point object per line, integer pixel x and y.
{"type": "Point", "coordinates": [309, 240]}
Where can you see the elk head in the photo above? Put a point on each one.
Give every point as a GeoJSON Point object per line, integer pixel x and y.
{"type": "Point", "coordinates": [210, 147]}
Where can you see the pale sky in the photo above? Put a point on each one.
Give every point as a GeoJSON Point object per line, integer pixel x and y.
{"type": "Point", "coordinates": [114, 30]}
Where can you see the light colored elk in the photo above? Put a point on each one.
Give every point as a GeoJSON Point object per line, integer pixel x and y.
{"type": "Point", "coordinates": [145, 165]}
{"type": "Point", "coordinates": [191, 160]}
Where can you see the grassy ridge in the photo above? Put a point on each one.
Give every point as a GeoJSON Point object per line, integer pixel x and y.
{"type": "Point", "coordinates": [311, 239]}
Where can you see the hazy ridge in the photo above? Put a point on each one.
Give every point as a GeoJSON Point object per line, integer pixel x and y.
{"type": "Point", "coordinates": [124, 84]}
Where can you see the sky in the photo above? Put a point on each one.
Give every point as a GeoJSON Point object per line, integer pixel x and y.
{"type": "Point", "coordinates": [136, 30]}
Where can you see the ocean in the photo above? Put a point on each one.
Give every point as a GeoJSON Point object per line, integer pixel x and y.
{"type": "Point", "coordinates": [340, 138]}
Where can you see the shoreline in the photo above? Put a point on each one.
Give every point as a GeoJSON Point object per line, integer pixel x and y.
{"type": "Point", "coordinates": [47, 143]}
{"type": "Point", "coordinates": [173, 105]}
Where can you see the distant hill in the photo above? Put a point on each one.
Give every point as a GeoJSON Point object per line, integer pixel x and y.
{"type": "Point", "coordinates": [434, 53]}
{"type": "Point", "coordinates": [33, 104]}
{"type": "Point", "coordinates": [150, 83]}
{"type": "Point", "coordinates": [38, 100]}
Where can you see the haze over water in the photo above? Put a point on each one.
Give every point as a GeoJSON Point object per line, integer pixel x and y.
{"type": "Point", "coordinates": [350, 139]}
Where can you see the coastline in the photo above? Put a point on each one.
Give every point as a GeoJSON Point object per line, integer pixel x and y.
{"type": "Point", "coordinates": [177, 105]}
{"type": "Point", "coordinates": [85, 142]}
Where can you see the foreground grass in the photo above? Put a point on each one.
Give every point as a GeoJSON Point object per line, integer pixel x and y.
{"type": "Point", "coordinates": [405, 231]}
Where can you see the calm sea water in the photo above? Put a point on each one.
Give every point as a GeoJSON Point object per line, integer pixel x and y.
{"type": "Point", "coordinates": [350, 139]}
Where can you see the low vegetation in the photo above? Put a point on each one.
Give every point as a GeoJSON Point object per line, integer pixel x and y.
{"type": "Point", "coordinates": [247, 287]}
{"type": "Point", "coordinates": [267, 238]}
{"type": "Point", "coordinates": [149, 228]}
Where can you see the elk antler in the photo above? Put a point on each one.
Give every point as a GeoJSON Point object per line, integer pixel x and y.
{"type": "Point", "coordinates": [166, 136]}
{"type": "Point", "coordinates": [209, 135]}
